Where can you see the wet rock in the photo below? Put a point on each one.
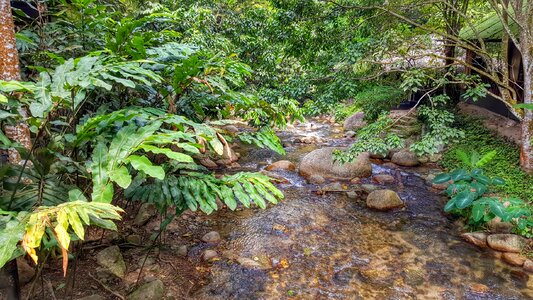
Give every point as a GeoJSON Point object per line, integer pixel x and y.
{"type": "Point", "coordinates": [112, 261]}
{"type": "Point", "coordinates": [479, 288]}
{"type": "Point", "coordinates": [423, 159]}
{"type": "Point", "coordinates": [369, 188]}
{"type": "Point", "coordinates": [276, 177]}
{"type": "Point", "coordinates": [145, 213]}
{"type": "Point", "coordinates": [384, 200]}
{"type": "Point", "coordinates": [390, 165]}
{"type": "Point", "coordinates": [208, 163]}
{"type": "Point", "coordinates": [311, 139]}
{"type": "Point", "coordinates": [405, 158]}
{"type": "Point", "coordinates": [514, 259]}
{"type": "Point", "coordinates": [355, 121]}
{"type": "Point", "coordinates": [349, 134]}
{"type": "Point", "coordinates": [153, 290]}
{"type": "Point", "coordinates": [351, 195]}
{"type": "Point", "coordinates": [134, 239]}
{"type": "Point", "coordinates": [231, 128]}
{"type": "Point", "coordinates": [249, 263]}
{"type": "Point", "coordinates": [496, 225]}
{"type": "Point", "coordinates": [383, 178]}
{"type": "Point", "coordinates": [320, 162]}
{"type": "Point", "coordinates": [377, 155]}
{"type": "Point", "coordinates": [316, 179]}
{"type": "Point", "coordinates": [282, 165]}
{"type": "Point", "coordinates": [528, 265]}
{"type": "Point", "coordinates": [477, 238]}
{"type": "Point", "coordinates": [440, 186]}
{"type": "Point", "coordinates": [211, 237]}
{"type": "Point", "coordinates": [209, 254]}
{"type": "Point", "coordinates": [505, 242]}
{"type": "Point", "coordinates": [355, 180]}
{"type": "Point", "coordinates": [25, 271]}
{"type": "Point", "coordinates": [93, 297]}
{"type": "Point", "coordinates": [333, 187]}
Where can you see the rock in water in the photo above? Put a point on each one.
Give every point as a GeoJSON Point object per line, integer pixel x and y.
{"type": "Point", "coordinates": [405, 158]}
{"type": "Point", "coordinates": [111, 260]}
{"type": "Point", "coordinates": [354, 121]}
{"type": "Point", "coordinates": [383, 178]}
{"type": "Point", "coordinates": [211, 237]}
{"type": "Point", "coordinates": [320, 162]}
{"type": "Point", "coordinates": [477, 238]}
{"type": "Point", "coordinates": [146, 212]}
{"type": "Point", "coordinates": [384, 200]}
{"type": "Point", "coordinates": [281, 165]}
{"type": "Point", "coordinates": [514, 259]}
{"type": "Point", "coordinates": [316, 179]}
{"type": "Point", "coordinates": [506, 242]}
{"type": "Point", "coordinates": [152, 290]}
{"type": "Point", "coordinates": [209, 254]}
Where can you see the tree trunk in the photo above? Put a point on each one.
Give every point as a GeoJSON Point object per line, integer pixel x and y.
{"type": "Point", "coordinates": [9, 70]}
{"type": "Point", "coordinates": [526, 157]}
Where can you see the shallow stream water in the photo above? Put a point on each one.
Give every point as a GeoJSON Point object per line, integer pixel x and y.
{"type": "Point", "coordinates": [332, 247]}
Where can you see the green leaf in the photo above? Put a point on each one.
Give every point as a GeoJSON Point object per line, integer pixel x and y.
{"type": "Point", "coordinates": [142, 163]}
{"type": "Point", "coordinates": [442, 178]}
{"type": "Point", "coordinates": [459, 175]}
{"type": "Point", "coordinates": [478, 210]}
{"type": "Point", "coordinates": [75, 222]}
{"type": "Point", "coordinates": [121, 176]}
{"type": "Point", "coordinates": [498, 181]}
{"type": "Point", "coordinates": [464, 199]}
{"type": "Point", "coordinates": [9, 238]}
{"type": "Point", "coordinates": [498, 209]}
{"type": "Point", "coordinates": [103, 193]}
{"type": "Point", "coordinates": [486, 159]}
{"type": "Point", "coordinates": [177, 156]}
{"type": "Point", "coordinates": [76, 195]}
{"type": "Point", "coordinates": [450, 205]}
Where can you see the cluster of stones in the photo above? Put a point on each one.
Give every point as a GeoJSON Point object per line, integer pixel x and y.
{"type": "Point", "coordinates": [508, 247]}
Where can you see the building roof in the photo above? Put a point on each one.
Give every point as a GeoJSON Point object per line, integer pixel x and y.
{"type": "Point", "coordinates": [490, 28]}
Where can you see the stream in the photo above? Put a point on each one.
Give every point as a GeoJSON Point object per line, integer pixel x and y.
{"type": "Point", "coordinates": [333, 247]}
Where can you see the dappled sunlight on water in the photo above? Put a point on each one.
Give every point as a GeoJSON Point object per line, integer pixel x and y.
{"type": "Point", "coordinates": [331, 247]}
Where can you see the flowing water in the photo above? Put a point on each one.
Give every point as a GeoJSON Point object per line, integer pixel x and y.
{"type": "Point", "coordinates": [331, 247]}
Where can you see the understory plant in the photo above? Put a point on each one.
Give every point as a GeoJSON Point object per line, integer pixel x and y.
{"type": "Point", "coordinates": [469, 192]}
{"type": "Point", "coordinates": [375, 138]}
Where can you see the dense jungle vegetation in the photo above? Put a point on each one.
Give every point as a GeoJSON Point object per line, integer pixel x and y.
{"type": "Point", "coordinates": [111, 103]}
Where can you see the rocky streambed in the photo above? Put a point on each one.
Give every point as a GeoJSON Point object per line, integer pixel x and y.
{"type": "Point", "coordinates": [332, 237]}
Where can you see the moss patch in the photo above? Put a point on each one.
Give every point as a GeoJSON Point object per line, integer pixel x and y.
{"type": "Point", "coordinates": [506, 164]}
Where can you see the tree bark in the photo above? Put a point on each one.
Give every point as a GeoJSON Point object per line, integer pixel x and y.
{"type": "Point", "coordinates": [526, 155]}
{"type": "Point", "coordinates": [9, 70]}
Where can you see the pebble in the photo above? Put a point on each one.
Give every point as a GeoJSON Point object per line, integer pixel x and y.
{"type": "Point", "coordinates": [211, 237]}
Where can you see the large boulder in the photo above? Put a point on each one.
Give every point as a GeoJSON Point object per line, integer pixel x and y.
{"type": "Point", "coordinates": [112, 261]}
{"type": "Point", "coordinates": [506, 242]}
{"type": "Point", "coordinates": [152, 290]}
{"type": "Point", "coordinates": [354, 122]}
{"type": "Point", "coordinates": [383, 200]}
{"type": "Point", "coordinates": [320, 162]}
{"type": "Point", "coordinates": [405, 158]}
